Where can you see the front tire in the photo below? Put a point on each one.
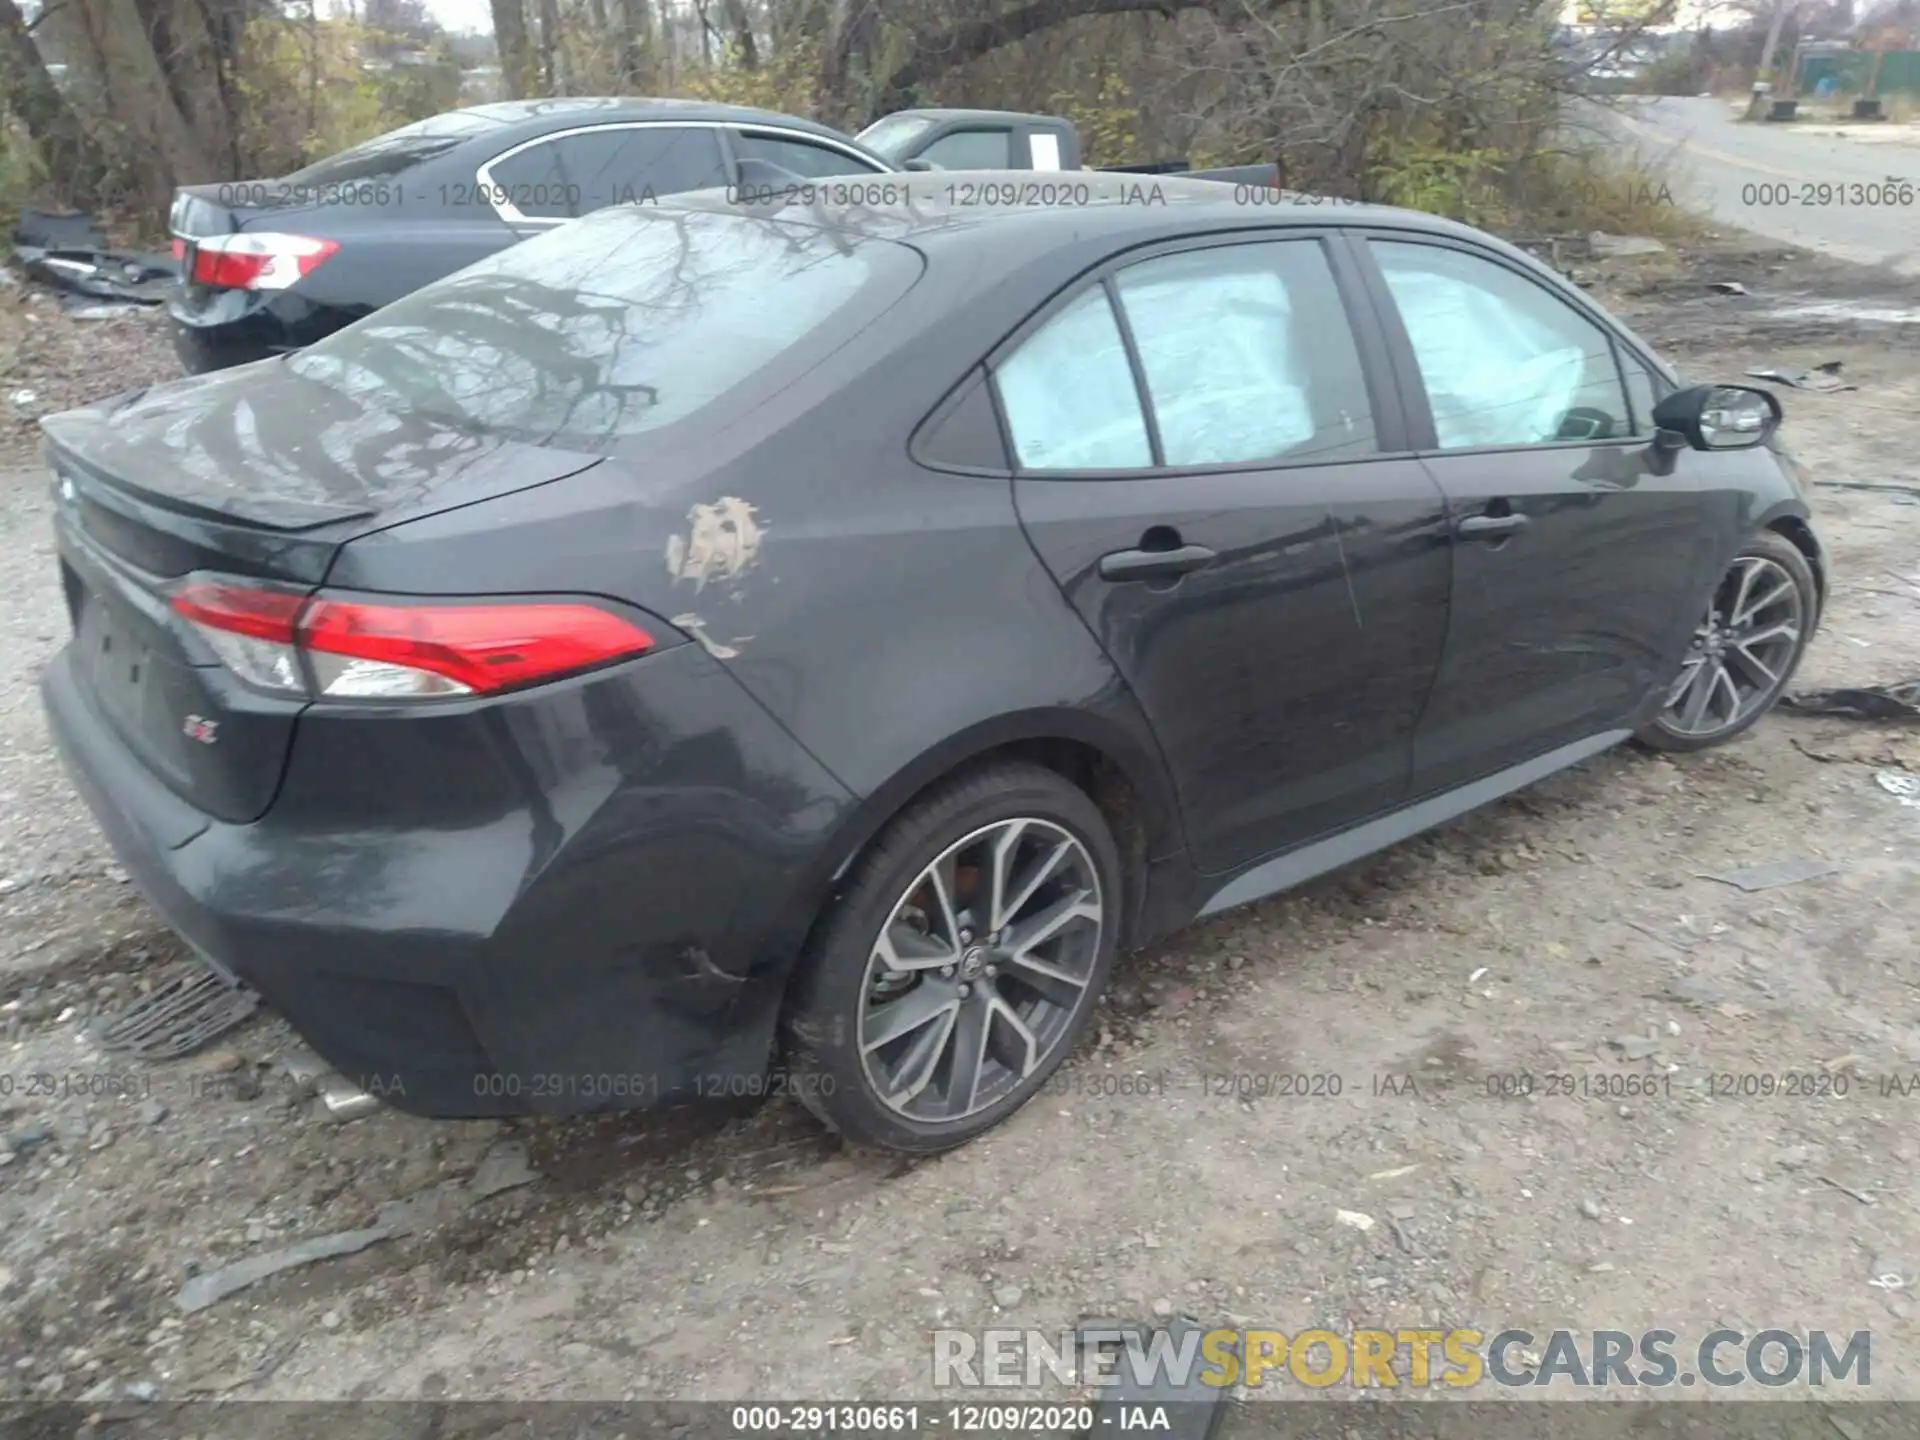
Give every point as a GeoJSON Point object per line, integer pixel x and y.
{"type": "Point", "coordinates": [960, 965]}
{"type": "Point", "coordinates": [1757, 624]}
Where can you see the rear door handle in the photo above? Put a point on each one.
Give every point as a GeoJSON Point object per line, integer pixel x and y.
{"type": "Point", "coordinates": [1124, 565]}
{"type": "Point", "coordinates": [1489, 527]}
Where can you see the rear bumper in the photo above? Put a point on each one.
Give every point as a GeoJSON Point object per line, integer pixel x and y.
{"type": "Point", "coordinates": [605, 921]}
{"type": "Point", "coordinates": [239, 327]}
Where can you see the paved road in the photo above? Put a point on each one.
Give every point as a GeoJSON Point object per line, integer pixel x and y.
{"type": "Point", "coordinates": [1787, 182]}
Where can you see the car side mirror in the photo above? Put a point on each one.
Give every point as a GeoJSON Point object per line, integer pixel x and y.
{"type": "Point", "coordinates": [1718, 417]}
{"type": "Point", "coordinates": [918, 164]}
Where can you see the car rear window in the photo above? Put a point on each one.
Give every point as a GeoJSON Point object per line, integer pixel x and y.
{"type": "Point", "coordinates": [891, 135]}
{"type": "Point", "coordinates": [396, 150]}
{"type": "Point", "coordinates": [631, 319]}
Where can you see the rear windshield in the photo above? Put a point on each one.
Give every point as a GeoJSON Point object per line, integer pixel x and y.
{"type": "Point", "coordinates": [628, 320]}
{"type": "Point", "coordinates": [891, 135]}
{"type": "Point", "coordinates": [396, 150]}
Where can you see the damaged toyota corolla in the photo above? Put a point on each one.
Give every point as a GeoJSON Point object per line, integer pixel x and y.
{"type": "Point", "coordinates": [718, 650]}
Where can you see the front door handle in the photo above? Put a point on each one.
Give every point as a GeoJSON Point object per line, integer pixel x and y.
{"type": "Point", "coordinates": [1124, 565]}
{"type": "Point", "coordinates": [1489, 527]}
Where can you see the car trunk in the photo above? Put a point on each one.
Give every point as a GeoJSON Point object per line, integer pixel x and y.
{"type": "Point", "coordinates": [238, 474]}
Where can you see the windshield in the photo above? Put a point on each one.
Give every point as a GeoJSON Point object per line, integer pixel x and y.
{"type": "Point", "coordinates": [628, 320]}
{"type": "Point", "coordinates": [394, 151]}
{"type": "Point", "coordinates": [891, 135]}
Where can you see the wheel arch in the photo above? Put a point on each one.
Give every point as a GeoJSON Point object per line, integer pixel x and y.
{"type": "Point", "coordinates": [1795, 528]}
{"type": "Point", "coordinates": [1125, 780]}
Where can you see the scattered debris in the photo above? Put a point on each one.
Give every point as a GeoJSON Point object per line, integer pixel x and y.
{"type": "Point", "coordinates": [1474, 978]}
{"type": "Point", "coordinates": [1192, 1407]}
{"type": "Point", "coordinates": [1882, 485]}
{"type": "Point", "coordinates": [504, 1167]}
{"type": "Point", "coordinates": [1393, 1174]}
{"type": "Point", "coordinates": [1822, 378]}
{"type": "Point", "coordinates": [1774, 874]}
{"type": "Point", "coordinates": [1355, 1219]}
{"type": "Point", "coordinates": [1635, 1047]}
{"type": "Point", "coordinates": [66, 252]}
{"type": "Point", "coordinates": [181, 1016]}
{"type": "Point", "coordinates": [1615, 247]}
{"type": "Point", "coordinates": [1898, 701]}
{"type": "Point", "coordinates": [1903, 787]}
{"type": "Point", "coordinates": [1590, 1208]}
{"type": "Point", "coordinates": [1728, 287]}
{"type": "Point", "coordinates": [343, 1100]}
{"type": "Point", "coordinates": [1888, 1273]}
{"type": "Point", "coordinates": [214, 1286]}
{"type": "Point", "coordinates": [1864, 1199]}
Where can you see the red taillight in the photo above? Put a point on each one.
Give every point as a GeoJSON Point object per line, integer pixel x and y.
{"type": "Point", "coordinates": [258, 260]}
{"type": "Point", "coordinates": [355, 649]}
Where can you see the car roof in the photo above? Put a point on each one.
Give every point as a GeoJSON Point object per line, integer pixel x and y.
{"type": "Point", "coordinates": [993, 117]}
{"type": "Point", "coordinates": [1021, 213]}
{"type": "Point", "coordinates": [533, 117]}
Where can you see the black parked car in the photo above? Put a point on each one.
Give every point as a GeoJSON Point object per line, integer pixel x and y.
{"type": "Point", "coordinates": [271, 265]}
{"type": "Point", "coordinates": [698, 632]}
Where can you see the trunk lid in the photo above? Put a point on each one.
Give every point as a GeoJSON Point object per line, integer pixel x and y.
{"type": "Point", "coordinates": [251, 472]}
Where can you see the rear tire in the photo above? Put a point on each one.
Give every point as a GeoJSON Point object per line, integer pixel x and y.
{"type": "Point", "coordinates": [960, 965]}
{"type": "Point", "coordinates": [1756, 627]}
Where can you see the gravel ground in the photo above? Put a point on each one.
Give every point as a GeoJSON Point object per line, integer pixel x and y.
{"type": "Point", "coordinates": [1567, 931]}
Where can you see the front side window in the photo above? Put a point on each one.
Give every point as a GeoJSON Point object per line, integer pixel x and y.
{"type": "Point", "coordinates": [1247, 355]}
{"type": "Point", "coordinates": [1505, 362]}
{"type": "Point", "coordinates": [1068, 393]}
{"type": "Point", "coordinates": [628, 320]}
{"type": "Point", "coordinates": [578, 174]}
{"type": "Point", "coordinates": [972, 150]}
{"type": "Point", "coordinates": [1644, 390]}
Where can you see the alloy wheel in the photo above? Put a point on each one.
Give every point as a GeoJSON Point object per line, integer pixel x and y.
{"type": "Point", "coordinates": [1741, 652]}
{"type": "Point", "coordinates": [983, 964]}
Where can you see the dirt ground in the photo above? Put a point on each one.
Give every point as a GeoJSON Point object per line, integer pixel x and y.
{"type": "Point", "coordinates": [745, 1255]}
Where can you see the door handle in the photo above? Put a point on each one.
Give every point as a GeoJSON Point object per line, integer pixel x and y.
{"type": "Point", "coordinates": [1125, 565]}
{"type": "Point", "coordinates": [1489, 527]}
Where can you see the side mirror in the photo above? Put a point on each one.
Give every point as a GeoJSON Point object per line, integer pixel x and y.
{"type": "Point", "coordinates": [1719, 417]}
{"type": "Point", "coordinates": [919, 165]}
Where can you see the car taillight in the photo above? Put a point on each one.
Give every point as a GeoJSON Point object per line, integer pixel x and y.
{"type": "Point", "coordinates": [258, 259]}
{"type": "Point", "coordinates": [341, 647]}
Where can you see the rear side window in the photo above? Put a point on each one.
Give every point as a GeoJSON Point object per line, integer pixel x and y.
{"type": "Point", "coordinates": [1247, 355]}
{"type": "Point", "coordinates": [972, 150]}
{"type": "Point", "coordinates": [798, 157]}
{"type": "Point", "coordinates": [578, 174]}
{"type": "Point", "coordinates": [630, 320]}
{"type": "Point", "coordinates": [1068, 393]}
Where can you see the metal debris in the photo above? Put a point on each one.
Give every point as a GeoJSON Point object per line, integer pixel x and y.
{"type": "Point", "coordinates": [1774, 874]}
{"type": "Point", "coordinates": [182, 1015]}
{"type": "Point", "coordinates": [344, 1100]}
{"type": "Point", "coordinates": [1903, 787]}
{"type": "Point", "coordinates": [504, 1167]}
{"type": "Point", "coordinates": [214, 1286]}
{"type": "Point", "coordinates": [1899, 701]}
{"type": "Point", "coordinates": [1728, 287]}
{"type": "Point", "coordinates": [1823, 378]}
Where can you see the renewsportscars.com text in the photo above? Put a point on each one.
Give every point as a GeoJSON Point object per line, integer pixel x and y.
{"type": "Point", "coordinates": [1389, 1359]}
